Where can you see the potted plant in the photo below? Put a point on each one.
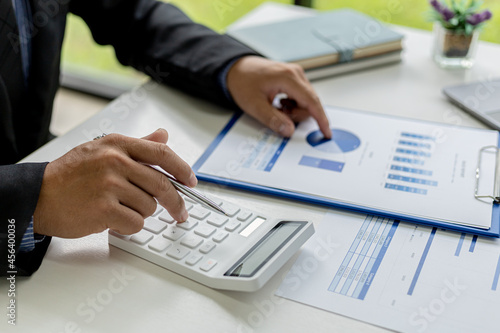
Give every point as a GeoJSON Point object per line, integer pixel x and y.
{"type": "Point", "coordinates": [457, 27]}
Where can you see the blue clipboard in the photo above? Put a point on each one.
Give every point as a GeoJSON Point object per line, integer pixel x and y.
{"type": "Point", "coordinates": [494, 231]}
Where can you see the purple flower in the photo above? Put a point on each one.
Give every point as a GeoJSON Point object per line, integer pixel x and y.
{"type": "Point", "coordinates": [478, 18]}
{"type": "Point", "coordinates": [445, 12]}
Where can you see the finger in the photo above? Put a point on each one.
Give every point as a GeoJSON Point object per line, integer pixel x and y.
{"type": "Point", "coordinates": [307, 99]}
{"type": "Point", "coordinates": [271, 117]}
{"type": "Point", "coordinates": [124, 220]}
{"type": "Point", "coordinates": [299, 114]}
{"type": "Point", "coordinates": [156, 153]}
{"type": "Point", "coordinates": [159, 186]}
{"type": "Point", "coordinates": [137, 199]}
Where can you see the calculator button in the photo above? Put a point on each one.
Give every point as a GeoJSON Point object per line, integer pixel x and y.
{"type": "Point", "coordinates": [244, 215]}
{"type": "Point", "coordinates": [208, 265]}
{"type": "Point", "coordinates": [158, 210]}
{"type": "Point", "coordinates": [187, 225]}
{"type": "Point", "coordinates": [142, 237]}
{"type": "Point", "coordinates": [188, 199]}
{"type": "Point", "coordinates": [165, 216]}
{"type": "Point", "coordinates": [232, 226]}
{"type": "Point", "coordinates": [217, 220]}
{"type": "Point", "coordinates": [199, 213]}
{"type": "Point", "coordinates": [207, 247]}
{"type": "Point", "coordinates": [204, 231]}
{"type": "Point", "coordinates": [177, 252]}
{"type": "Point", "coordinates": [230, 209]}
{"type": "Point", "coordinates": [154, 225]}
{"type": "Point", "coordinates": [193, 259]}
{"type": "Point", "coordinates": [220, 236]}
{"type": "Point", "coordinates": [188, 205]}
{"type": "Point", "coordinates": [114, 233]}
{"type": "Point", "coordinates": [159, 244]}
{"type": "Point", "coordinates": [173, 233]}
{"type": "Point", "coordinates": [218, 201]}
{"type": "Point", "coordinates": [192, 241]}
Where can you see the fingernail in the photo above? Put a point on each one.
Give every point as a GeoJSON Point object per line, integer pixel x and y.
{"type": "Point", "coordinates": [193, 181]}
{"type": "Point", "coordinates": [329, 134]}
{"type": "Point", "coordinates": [184, 215]}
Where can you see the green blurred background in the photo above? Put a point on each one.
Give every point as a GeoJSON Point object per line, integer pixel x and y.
{"type": "Point", "coordinates": [81, 52]}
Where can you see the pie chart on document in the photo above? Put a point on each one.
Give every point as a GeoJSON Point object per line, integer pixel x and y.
{"type": "Point", "coordinates": [342, 141]}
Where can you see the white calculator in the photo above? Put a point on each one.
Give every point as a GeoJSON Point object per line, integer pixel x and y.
{"type": "Point", "coordinates": [241, 251]}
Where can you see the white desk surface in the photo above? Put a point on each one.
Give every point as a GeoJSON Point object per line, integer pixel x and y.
{"type": "Point", "coordinates": [76, 288]}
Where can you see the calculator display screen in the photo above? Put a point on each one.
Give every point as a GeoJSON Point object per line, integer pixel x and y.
{"type": "Point", "coordinates": [265, 249]}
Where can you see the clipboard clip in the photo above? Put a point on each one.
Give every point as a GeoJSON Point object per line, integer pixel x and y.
{"type": "Point", "coordinates": [496, 189]}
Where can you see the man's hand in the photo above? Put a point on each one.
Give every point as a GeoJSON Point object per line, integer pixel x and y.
{"type": "Point", "coordinates": [254, 81]}
{"type": "Point", "coordinates": [103, 184]}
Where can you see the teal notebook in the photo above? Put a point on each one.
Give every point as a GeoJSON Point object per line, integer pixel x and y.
{"type": "Point", "coordinates": [334, 37]}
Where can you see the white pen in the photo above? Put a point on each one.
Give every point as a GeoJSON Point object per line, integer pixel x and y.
{"type": "Point", "coordinates": [189, 192]}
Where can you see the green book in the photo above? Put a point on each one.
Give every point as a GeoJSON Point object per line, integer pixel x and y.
{"type": "Point", "coordinates": [340, 36]}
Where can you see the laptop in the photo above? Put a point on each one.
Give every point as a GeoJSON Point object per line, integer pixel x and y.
{"type": "Point", "coordinates": [481, 99]}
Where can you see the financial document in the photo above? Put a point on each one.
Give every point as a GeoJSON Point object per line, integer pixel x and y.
{"type": "Point", "coordinates": [397, 275]}
{"type": "Point", "coordinates": [406, 167]}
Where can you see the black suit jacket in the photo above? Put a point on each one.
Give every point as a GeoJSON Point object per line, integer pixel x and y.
{"type": "Point", "coordinates": [151, 36]}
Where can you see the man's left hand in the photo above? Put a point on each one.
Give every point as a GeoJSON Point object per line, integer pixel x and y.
{"type": "Point", "coordinates": [254, 82]}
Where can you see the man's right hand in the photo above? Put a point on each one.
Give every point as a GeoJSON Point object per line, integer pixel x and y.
{"type": "Point", "coordinates": [104, 184]}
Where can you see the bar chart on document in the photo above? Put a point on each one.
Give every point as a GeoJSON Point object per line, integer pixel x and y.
{"type": "Point", "coordinates": [408, 170]}
{"type": "Point", "coordinates": [397, 275]}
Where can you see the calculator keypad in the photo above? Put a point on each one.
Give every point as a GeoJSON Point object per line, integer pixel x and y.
{"type": "Point", "coordinates": [193, 241]}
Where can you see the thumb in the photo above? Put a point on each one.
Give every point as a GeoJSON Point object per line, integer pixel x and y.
{"type": "Point", "coordinates": [160, 135]}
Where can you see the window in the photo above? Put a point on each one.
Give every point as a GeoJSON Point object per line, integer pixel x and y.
{"type": "Point", "coordinates": [86, 63]}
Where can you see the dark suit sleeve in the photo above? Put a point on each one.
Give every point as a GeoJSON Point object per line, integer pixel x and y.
{"type": "Point", "coordinates": [160, 40]}
{"type": "Point", "coordinates": [19, 189]}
